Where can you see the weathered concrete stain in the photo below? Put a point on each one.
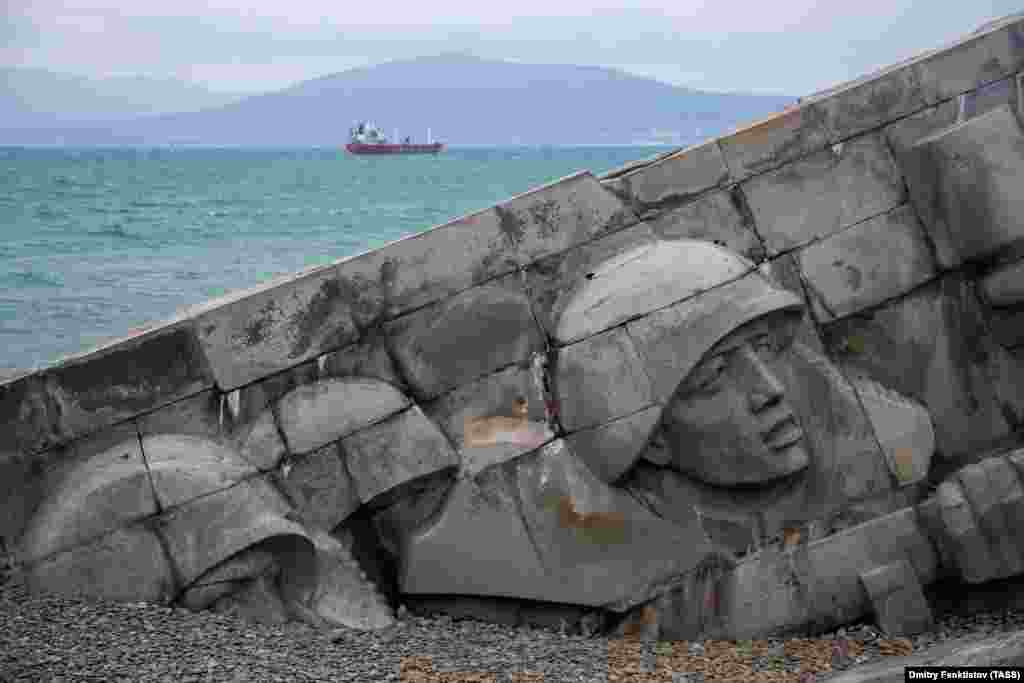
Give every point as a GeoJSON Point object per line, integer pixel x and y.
{"type": "Point", "coordinates": [867, 104]}
{"type": "Point", "coordinates": [546, 215]}
{"type": "Point", "coordinates": [599, 527]}
{"type": "Point", "coordinates": [754, 133]}
{"type": "Point", "coordinates": [310, 321]}
{"type": "Point", "coordinates": [137, 377]}
{"type": "Point", "coordinates": [362, 297]}
{"type": "Point", "coordinates": [784, 136]}
{"type": "Point", "coordinates": [512, 226]}
{"type": "Point", "coordinates": [259, 329]}
{"type": "Point", "coordinates": [27, 409]}
{"type": "Point", "coordinates": [388, 274]}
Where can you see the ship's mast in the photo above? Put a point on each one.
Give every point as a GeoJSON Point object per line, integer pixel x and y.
{"type": "Point", "coordinates": [429, 141]}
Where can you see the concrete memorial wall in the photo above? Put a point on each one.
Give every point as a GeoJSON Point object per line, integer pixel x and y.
{"type": "Point", "coordinates": [771, 382]}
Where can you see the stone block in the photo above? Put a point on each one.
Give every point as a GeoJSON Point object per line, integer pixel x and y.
{"type": "Point", "coordinates": [631, 166]}
{"type": "Point", "coordinates": [763, 595]}
{"type": "Point", "coordinates": [202, 533]}
{"type": "Point", "coordinates": [897, 536]}
{"type": "Point", "coordinates": [675, 179]}
{"type": "Point", "coordinates": [897, 599]}
{"type": "Point", "coordinates": [132, 376]}
{"type": "Point", "coordinates": [785, 270]}
{"type": "Point", "coordinates": [412, 506]}
{"type": "Point", "coordinates": [597, 541]}
{"type": "Point", "coordinates": [21, 490]}
{"type": "Point", "coordinates": [830, 571]}
{"type": "Point", "coordinates": [99, 485]}
{"type": "Point", "coordinates": [552, 281]}
{"type": "Point", "coordinates": [972, 553]}
{"type": "Point", "coordinates": [989, 97]}
{"type": "Point", "coordinates": [992, 489]}
{"type": "Point", "coordinates": [974, 61]}
{"type": "Point", "coordinates": [216, 416]}
{"type": "Point", "coordinates": [255, 601]}
{"type": "Point", "coordinates": [256, 560]}
{"type": "Point", "coordinates": [496, 396]}
{"type": "Point", "coordinates": [1004, 286]}
{"type": "Point", "coordinates": [470, 336]}
{"type": "Point", "coordinates": [600, 379]}
{"type": "Point", "coordinates": [344, 596]}
{"type": "Point", "coordinates": [969, 175]}
{"type": "Point", "coordinates": [268, 330]}
{"type": "Point", "coordinates": [232, 576]}
{"type": "Point", "coordinates": [424, 268]}
{"type": "Point", "coordinates": [204, 596]}
{"type": "Point", "coordinates": [560, 215]}
{"type": "Point", "coordinates": [29, 417]}
{"type": "Point", "coordinates": [782, 137]}
{"type": "Point", "coordinates": [479, 545]}
{"type": "Point", "coordinates": [817, 585]}
{"type": "Point", "coordinates": [645, 279]}
{"type": "Point", "coordinates": [721, 217]}
{"type": "Point", "coordinates": [185, 467]}
{"type": "Point", "coordinates": [905, 133]}
{"type": "Point", "coordinates": [866, 264]}
{"type": "Point", "coordinates": [904, 430]}
{"type": "Point", "coordinates": [933, 345]}
{"type": "Point", "coordinates": [317, 414]}
{"type": "Point", "coordinates": [321, 487]}
{"type": "Point", "coordinates": [395, 451]}
{"type": "Point", "coordinates": [874, 100]}
{"type": "Point", "coordinates": [368, 358]}
{"type": "Point", "coordinates": [824, 192]}
{"type": "Point", "coordinates": [128, 564]}
{"type": "Point", "coordinates": [609, 450]}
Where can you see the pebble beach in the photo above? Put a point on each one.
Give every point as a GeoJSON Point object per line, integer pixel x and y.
{"type": "Point", "coordinates": [53, 638]}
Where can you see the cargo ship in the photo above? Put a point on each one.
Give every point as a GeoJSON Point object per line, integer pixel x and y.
{"type": "Point", "coordinates": [365, 138]}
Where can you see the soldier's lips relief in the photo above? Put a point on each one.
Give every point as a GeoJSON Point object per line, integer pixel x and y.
{"type": "Point", "coordinates": [783, 434]}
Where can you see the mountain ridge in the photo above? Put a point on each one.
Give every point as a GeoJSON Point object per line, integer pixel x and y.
{"type": "Point", "coordinates": [464, 99]}
{"type": "Point", "coordinates": [64, 96]}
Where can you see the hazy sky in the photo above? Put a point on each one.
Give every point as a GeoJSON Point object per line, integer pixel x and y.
{"type": "Point", "coordinates": [793, 47]}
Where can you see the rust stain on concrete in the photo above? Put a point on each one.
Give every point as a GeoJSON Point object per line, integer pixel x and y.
{"type": "Point", "coordinates": [755, 133]}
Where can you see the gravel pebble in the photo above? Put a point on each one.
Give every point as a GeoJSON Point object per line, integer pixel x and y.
{"type": "Point", "coordinates": [52, 638]}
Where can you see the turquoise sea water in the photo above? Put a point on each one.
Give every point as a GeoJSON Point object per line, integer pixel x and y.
{"type": "Point", "coordinates": [94, 242]}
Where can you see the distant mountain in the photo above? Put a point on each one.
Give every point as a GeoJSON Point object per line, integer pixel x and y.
{"type": "Point", "coordinates": [36, 97]}
{"type": "Point", "coordinates": [463, 99]}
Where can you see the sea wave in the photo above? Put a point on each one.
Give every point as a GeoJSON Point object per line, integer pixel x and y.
{"type": "Point", "coordinates": [47, 211]}
{"type": "Point", "coordinates": [115, 230]}
{"type": "Point", "coordinates": [159, 204]}
{"type": "Point", "coordinates": [32, 278]}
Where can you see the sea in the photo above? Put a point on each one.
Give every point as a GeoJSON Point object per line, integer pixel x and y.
{"type": "Point", "coordinates": [97, 241]}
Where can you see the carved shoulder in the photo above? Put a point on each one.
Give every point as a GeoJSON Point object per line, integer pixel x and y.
{"type": "Point", "coordinates": [903, 427]}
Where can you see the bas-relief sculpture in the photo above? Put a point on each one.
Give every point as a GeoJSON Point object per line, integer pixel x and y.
{"type": "Point", "coordinates": [726, 431]}
{"type": "Point", "coordinates": [643, 460]}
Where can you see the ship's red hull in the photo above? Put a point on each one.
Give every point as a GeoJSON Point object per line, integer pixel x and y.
{"type": "Point", "coordinates": [357, 148]}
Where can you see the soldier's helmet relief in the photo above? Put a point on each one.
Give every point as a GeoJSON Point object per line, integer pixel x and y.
{"type": "Point", "coordinates": [703, 328]}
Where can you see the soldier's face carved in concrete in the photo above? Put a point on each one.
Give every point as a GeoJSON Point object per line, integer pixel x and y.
{"type": "Point", "coordinates": [729, 422]}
